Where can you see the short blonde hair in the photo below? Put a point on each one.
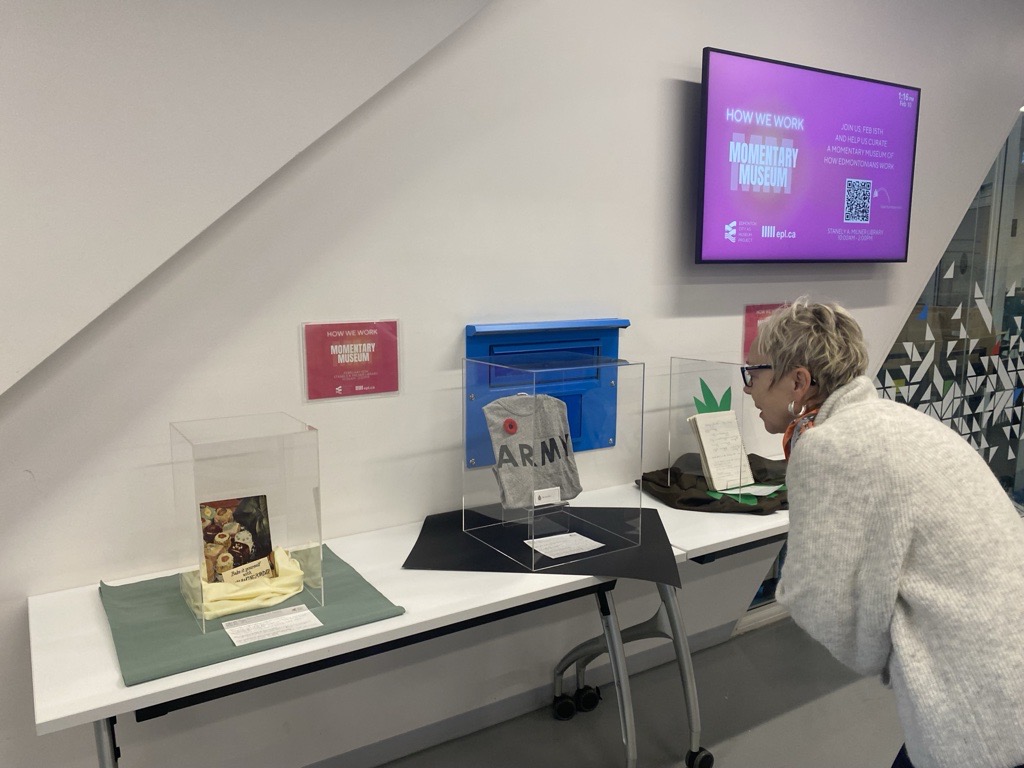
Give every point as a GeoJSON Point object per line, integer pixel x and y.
{"type": "Point", "coordinates": [824, 338]}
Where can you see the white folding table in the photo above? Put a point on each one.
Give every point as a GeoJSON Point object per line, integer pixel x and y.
{"type": "Point", "coordinates": [76, 677]}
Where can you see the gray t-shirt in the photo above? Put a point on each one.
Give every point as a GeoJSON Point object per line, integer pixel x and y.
{"type": "Point", "coordinates": [532, 448]}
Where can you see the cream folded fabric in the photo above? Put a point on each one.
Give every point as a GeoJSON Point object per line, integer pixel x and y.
{"type": "Point", "coordinates": [213, 600]}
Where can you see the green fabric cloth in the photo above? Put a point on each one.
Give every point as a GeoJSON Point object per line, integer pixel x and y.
{"type": "Point", "coordinates": [156, 634]}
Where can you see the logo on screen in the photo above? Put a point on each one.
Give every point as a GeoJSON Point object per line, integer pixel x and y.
{"type": "Point", "coordinates": [770, 231]}
{"type": "Point", "coordinates": [762, 164]}
{"type": "Point", "coordinates": [730, 231]}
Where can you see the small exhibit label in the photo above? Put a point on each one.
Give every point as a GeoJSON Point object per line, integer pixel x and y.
{"type": "Point", "coordinates": [547, 496]}
{"type": "Point", "coordinates": [273, 624]}
{"type": "Point", "coordinates": [563, 545]}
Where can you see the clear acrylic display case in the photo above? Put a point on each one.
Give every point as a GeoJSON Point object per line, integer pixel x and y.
{"type": "Point", "coordinates": [553, 450]}
{"type": "Point", "coordinates": [707, 408]}
{"type": "Point", "coordinates": [248, 486]}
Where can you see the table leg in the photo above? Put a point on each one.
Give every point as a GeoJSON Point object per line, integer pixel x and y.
{"type": "Point", "coordinates": [684, 660]}
{"type": "Point", "coordinates": [106, 743]}
{"type": "Point", "coordinates": [617, 657]}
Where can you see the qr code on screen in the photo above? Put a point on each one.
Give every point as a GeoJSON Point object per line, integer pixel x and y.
{"type": "Point", "coordinates": [858, 201]}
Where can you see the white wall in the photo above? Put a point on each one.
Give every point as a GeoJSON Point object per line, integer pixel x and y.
{"type": "Point", "coordinates": [537, 166]}
{"type": "Point", "coordinates": [111, 112]}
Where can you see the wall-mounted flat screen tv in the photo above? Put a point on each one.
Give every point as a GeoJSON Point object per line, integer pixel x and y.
{"type": "Point", "coordinates": [802, 164]}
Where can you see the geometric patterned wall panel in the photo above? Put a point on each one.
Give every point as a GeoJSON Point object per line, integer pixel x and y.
{"type": "Point", "coordinates": [951, 363]}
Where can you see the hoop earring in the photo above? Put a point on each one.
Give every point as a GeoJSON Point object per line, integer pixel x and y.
{"type": "Point", "coordinates": [792, 409]}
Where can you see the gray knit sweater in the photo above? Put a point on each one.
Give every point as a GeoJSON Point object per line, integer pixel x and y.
{"type": "Point", "coordinates": [906, 559]}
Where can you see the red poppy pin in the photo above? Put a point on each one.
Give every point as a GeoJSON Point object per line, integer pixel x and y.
{"type": "Point", "coordinates": [511, 427]}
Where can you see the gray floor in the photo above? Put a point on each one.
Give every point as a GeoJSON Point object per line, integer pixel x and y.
{"type": "Point", "coordinates": [770, 698]}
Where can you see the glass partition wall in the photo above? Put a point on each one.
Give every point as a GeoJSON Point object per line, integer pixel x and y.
{"type": "Point", "coordinates": [958, 357]}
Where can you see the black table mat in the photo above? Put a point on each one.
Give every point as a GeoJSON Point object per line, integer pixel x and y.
{"type": "Point", "coordinates": [443, 546]}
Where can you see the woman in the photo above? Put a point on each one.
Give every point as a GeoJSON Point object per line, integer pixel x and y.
{"type": "Point", "coordinates": [905, 556]}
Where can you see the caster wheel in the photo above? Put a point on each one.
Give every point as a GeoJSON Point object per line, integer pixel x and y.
{"type": "Point", "coordinates": [563, 707]}
{"type": "Point", "coordinates": [587, 698]}
{"type": "Point", "coordinates": [699, 759]}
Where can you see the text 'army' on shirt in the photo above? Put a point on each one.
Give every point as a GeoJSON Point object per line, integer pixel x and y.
{"type": "Point", "coordinates": [549, 453]}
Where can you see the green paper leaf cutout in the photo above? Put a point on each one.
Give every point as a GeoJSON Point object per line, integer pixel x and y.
{"type": "Point", "coordinates": [742, 498]}
{"type": "Point", "coordinates": [710, 404]}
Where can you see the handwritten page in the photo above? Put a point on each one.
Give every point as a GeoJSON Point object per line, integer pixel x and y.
{"type": "Point", "coordinates": [722, 454]}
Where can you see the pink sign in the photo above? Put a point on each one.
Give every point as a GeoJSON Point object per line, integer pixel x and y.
{"type": "Point", "coordinates": [346, 359]}
{"type": "Point", "coordinates": [754, 315]}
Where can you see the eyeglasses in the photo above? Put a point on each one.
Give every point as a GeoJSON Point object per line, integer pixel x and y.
{"type": "Point", "coordinates": [748, 380]}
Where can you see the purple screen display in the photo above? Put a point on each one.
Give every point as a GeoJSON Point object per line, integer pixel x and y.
{"type": "Point", "coordinates": [804, 165]}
